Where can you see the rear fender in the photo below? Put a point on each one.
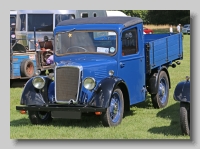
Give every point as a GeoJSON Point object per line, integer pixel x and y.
{"type": "Point", "coordinates": [153, 82]}
{"type": "Point", "coordinates": [103, 91]}
{"type": "Point", "coordinates": [182, 91]}
{"type": "Point", "coordinates": [33, 96]}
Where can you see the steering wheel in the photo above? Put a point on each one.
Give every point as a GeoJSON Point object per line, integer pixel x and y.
{"type": "Point", "coordinates": [77, 47]}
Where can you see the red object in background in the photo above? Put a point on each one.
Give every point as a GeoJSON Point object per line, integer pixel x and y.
{"type": "Point", "coordinates": [147, 30]}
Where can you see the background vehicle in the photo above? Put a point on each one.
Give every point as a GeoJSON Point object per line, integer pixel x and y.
{"type": "Point", "coordinates": [147, 30]}
{"type": "Point", "coordinates": [31, 26]}
{"type": "Point", "coordinates": [186, 29]}
{"type": "Point", "coordinates": [13, 15]}
{"type": "Point", "coordinates": [103, 65]}
{"type": "Point", "coordinates": [182, 94]}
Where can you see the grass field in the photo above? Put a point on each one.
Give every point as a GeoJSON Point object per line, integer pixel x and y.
{"type": "Point", "coordinates": [142, 122]}
{"type": "Point", "coordinates": [160, 28]}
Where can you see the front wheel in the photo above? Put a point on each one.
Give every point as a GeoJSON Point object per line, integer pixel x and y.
{"type": "Point", "coordinates": [160, 99]}
{"type": "Point", "coordinates": [185, 118]}
{"type": "Point", "coordinates": [114, 113]}
{"type": "Point", "coordinates": [40, 117]}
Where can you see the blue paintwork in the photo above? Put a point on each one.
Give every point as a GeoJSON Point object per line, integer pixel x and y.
{"type": "Point", "coordinates": [133, 73]}
{"type": "Point", "coordinates": [164, 48]}
{"type": "Point", "coordinates": [16, 63]}
{"type": "Point", "coordinates": [182, 91]}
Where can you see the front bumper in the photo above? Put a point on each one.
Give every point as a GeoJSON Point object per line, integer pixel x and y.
{"type": "Point", "coordinates": [62, 111]}
{"type": "Point", "coordinates": [54, 107]}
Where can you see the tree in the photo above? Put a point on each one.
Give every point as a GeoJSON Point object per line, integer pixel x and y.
{"type": "Point", "coordinates": [160, 17]}
{"type": "Point", "coordinates": [173, 17]}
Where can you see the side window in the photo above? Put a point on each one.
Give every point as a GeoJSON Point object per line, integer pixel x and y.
{"type": "Point", "coordinates": [129, 42]}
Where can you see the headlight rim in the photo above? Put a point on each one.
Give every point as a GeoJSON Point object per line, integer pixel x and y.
{"type": "Point", "coordinates": [92, 80]}
{"type": "Point", "coordinates": [38, 77]}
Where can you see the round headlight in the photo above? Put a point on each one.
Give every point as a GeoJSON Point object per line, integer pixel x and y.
{"type": "Point", "coordinates": [89, 83]}
{"type": "Point", "coordinates": [38, 82]}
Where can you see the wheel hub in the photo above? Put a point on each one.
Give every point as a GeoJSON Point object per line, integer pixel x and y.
{"type": "Point", "coordinates": [162, 90]}
{"type": "Point", "coordinates": [115, 108]}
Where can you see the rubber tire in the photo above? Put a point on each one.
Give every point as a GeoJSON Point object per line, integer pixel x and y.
{"type": "Point", "coordinates": [35, 117]}
{"type": "Point", "coordinates": [155, 97]}
{"type": "Point", "coordinates": [27, 68]}
{"type": "Point", "coordinates": [185, 118]}
{"type": "Point", "coordinates": [106, 119]}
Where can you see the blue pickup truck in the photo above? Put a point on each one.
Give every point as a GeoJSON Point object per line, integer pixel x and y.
{"type": "Point", "coordinates": [103, 65]}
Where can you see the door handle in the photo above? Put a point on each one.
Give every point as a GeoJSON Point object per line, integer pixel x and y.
{"type": "Point", "coordinates": [121, 64]}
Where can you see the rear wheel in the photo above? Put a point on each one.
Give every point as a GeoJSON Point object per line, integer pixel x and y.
{"type": "Point", "coordinates": [40, 117]}
{"type": "Point", "coordinates": [114, 113]}
{"type": "Point", "coordinates": [185, 118]}
{"type": "Point", "coordinates": [160, 99]}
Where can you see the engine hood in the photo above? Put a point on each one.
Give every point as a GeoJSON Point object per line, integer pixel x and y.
{"type": "Point", "coordinates": [97, 66]}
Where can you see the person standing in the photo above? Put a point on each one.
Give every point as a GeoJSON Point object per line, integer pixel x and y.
{"type": "Point", "coordinates": [171, 29]}
{"type": "Point", "coordinates": [179, 28]}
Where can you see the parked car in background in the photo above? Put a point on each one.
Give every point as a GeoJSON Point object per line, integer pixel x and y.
{"type": "Point", "coordinates": [147, 30]}
{"type": "Point", "coordinates": [186, 29]}
{"type": "Point", "coordinates": [182, 95]}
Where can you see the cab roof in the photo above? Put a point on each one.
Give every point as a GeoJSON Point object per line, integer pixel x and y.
{"type": "Point", "coordinates": [126, 21]}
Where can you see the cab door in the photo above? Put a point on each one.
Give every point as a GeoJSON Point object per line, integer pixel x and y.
{"type": "Point", "coordinates": [131, 66]}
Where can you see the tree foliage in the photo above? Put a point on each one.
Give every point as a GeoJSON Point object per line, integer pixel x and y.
{"type": "Point", "coordinates": [173, 17]}
{"type": "Point", "coordinates": [160, 17]}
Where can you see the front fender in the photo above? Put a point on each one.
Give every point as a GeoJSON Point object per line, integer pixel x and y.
{"type": "Point", "coordinates": [182, 91]}
{"type": "Point", "coordinates": [103, 92]}
{"type": "Point", "coordinates": [33, 96]}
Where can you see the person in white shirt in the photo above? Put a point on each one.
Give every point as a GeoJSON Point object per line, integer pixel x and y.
{"type": "Point", "coordinates": [179, 28]}
{"type": "Point", "coordinates": [171, 29]}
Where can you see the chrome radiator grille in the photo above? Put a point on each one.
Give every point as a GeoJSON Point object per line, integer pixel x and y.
{"type": "Point", "coordinates": [67, 84]}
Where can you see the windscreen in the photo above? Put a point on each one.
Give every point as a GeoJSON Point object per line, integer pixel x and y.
{"type": "Point", "coordinates": [103, 42]}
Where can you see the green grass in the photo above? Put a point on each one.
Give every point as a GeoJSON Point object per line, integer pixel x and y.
{"type": "Point", "coordinates": [142, 122]}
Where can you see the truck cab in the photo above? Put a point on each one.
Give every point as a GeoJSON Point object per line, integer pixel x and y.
{"type": "Point", "coordinates": [102, 65]}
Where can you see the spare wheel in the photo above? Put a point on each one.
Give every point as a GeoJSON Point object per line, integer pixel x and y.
{"type": "Point", "coordinates": [27, 68]}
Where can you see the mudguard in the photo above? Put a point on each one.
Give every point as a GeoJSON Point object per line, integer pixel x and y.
{"type": "Point", "coordinates": [102, 94]}
{"type": "Point", "coordinates": [182, 91]}
{"type": "Point", "coordinates": [33, 96]}
{"type": "Point", "coordinates": [153, 82]}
